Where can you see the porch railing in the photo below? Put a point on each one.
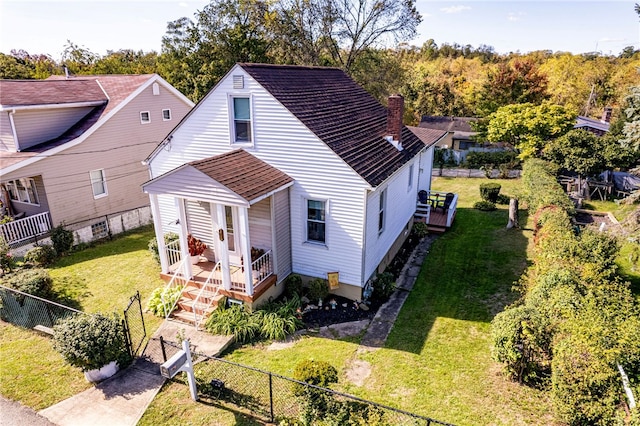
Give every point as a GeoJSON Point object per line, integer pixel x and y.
{"type": "Point", "coordinates": [20, 230]}
{"type": "Point", "coordinates": [208, 292]}
{"type": "Point", "coordinates": [261, 269]}
{"type": "Point", "coordinates": [433, 200]}
{"type": "Point", "coordinates": [173, 252]}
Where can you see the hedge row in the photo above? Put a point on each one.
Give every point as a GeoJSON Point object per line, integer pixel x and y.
{"type": "Point", "coordinates": [576, 320]}
{"type": "Point", "coordinates": [541, 187]}
{"type": "Point", "coordinates": [477, 159]}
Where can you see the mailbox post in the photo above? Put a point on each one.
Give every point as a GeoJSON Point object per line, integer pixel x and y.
{"type": "Point", "coordinates": [181, 361]}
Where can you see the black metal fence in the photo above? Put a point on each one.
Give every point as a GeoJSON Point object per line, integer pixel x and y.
{"type": "Point", "coordinates": [133, 324]}
{"type": "Point", "coordinates": [274, 398]}
{"type": "Point", "coordinates": [26, 310]}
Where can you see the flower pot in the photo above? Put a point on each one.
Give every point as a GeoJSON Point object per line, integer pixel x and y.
{"type": "Point", "coordinates": [102, 373]}
{"type": "Point", "coordinates": [194, 259]}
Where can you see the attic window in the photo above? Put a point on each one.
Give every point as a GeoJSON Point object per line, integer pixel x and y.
{"type": "Point", "coordinates": [238, 82]}
{"type": "Point", "coordinates": [156, 89]}
{"type": "Point", "coordinates": [145, 117]}
{"type": "Point", "coordinates": [166, 114]}
{"type": "Point", "coordinates": [241, 120]}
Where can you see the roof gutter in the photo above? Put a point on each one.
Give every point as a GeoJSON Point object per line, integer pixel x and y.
{"type": "Point", "coordinates": [15, 108]}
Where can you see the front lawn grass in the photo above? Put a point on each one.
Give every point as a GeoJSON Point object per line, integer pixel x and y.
{"type": "Point", "coordinates": [437, 359]}
{"type": "Point", "coordinates": [100, 278]}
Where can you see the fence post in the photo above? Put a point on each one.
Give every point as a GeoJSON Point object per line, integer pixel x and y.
{"type": "Point", "coordinates": [127, 337]}
{"type": "Point", "coordinates": [271, 395]}
{"type": "Point", "coordinates": [164, 352]}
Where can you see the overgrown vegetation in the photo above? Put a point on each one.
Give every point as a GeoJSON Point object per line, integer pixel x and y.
{"type": "Point", "coordinates": [577, 320]}
{"type": "Point", "coordinates": [162, 299]}
{"type": "Point", "coordinates": [62, 239]}
{"type": "Point", "coordinates": [153, 244]}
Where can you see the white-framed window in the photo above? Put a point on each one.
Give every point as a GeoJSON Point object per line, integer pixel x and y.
{"type": "Point", "coordinates": [231, 235]}
{"type": "Point", "coordinates": [23, 190]}
{"type": "Point", "coordinates": [145, 117]}
{"type": "Point", "coordinates": [166, 115]}
{"type": "Point", "coordinates": [382, 211]}
{"type": "Point", "coordinates": [316, 221]}
{"type": "Point", "coordinates": [98, 183]}
{"type": "Point", "coordinates": [410, 183]}
{"type": "Point", "coordinates": [242, 128]}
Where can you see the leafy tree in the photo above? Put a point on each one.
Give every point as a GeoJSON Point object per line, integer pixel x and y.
{"type": "Point", "coordinates": [631, 120]}
{"type": "Point", "coordinates": [579, 151]}
{"type": "Point", "coordinates": [527, 126]}
{"type": "Point", "coordinates": [126, 61]}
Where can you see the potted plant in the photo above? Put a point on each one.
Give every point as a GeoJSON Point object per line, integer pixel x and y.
{"type": "Point", "coordinates": [196, 248]}
{"type": "Point", "coordinates": [93, 343]}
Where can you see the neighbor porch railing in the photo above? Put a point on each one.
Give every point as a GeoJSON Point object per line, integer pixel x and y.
{"type": "Point", "coordinates": [24, 229]}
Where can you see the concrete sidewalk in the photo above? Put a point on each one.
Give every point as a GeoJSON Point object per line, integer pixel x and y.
{"type": "Point", "coordinates": [122, 399]}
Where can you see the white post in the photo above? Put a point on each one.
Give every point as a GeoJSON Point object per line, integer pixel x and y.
{"type": "Point", "coordinates": [157, 225]}
{"type": "Point", "coordinates": [224, 252]}
{"type": "Point", "coordinates": [188, 368]}
{"type": "Point", "coordinates": [627, 387]}
{"type": "Point", "coordinates": [245, 244]}
{"type": "Point", "coordinates": [184, 244]}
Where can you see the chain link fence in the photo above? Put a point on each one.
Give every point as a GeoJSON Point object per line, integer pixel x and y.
{"type": "Point", "coordinates": [28, 311]}
{"type": "Point", "coordinates": [273, 398]}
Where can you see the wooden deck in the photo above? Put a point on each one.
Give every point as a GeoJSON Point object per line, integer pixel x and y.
{"type": "Point", "coordinates": [437, 221]}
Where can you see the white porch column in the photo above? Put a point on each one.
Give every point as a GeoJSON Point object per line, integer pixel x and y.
{"type": "Point", "coordinates": [157, 226]}
{"type": "Point", "coordinates": [184, 245]}
{"type": "Point", "coordinates": [245, 244]}
{"type": "Point", "coordinates": [223, 246]}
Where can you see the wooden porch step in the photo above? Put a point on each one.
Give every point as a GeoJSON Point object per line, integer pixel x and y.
{"type": "Point", "coordinates": [200, 308]}
{"type": "Point", "coordinates": [183, 316]}
{"type": "Point", "coordinates": [192, 293]}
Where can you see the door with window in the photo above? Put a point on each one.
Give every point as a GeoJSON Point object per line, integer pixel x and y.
{"type": "Point", "coordinates": [231, 235]}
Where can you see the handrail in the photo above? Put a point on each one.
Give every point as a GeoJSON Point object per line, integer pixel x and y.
{"type": "Point", "coordinates": [165, 304]}
{"type": "Point", "coordinates": [173, 252]}
{"type": "Point", "coordinates": [208, 281]}
{"type": "Point", "coordinates": [259, 265]}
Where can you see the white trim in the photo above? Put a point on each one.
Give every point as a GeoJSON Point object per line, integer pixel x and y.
{"type": "Point", "coordinates": [382, 208]}
{"type": "Point", "coordinates": [232, 120]}
{"type": "Point", "coordinates": [52, 106]}
{"type": "Point", "coordinates": [163, 117]}
{"type": "Point", "coordinates": [305, 229]}
{"type": "Point", "coordinates": [104, 184]}
{"type": "Point", "coordinates": [14, 131]}
{"type": "Point", "coordinates": [270, 193]}
{"type": "Point", "coordinates": [142, 120]}
{"type": "Point", "coordinates": [101, 121]}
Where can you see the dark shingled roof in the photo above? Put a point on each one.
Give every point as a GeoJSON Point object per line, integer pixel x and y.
{"type": "Point", "coordinates": [428, 136]}
{"type": "Point", "coordinates": [49, 92]}
{"type": "Point", "coordinates": [341, 113]}
{"type": "Point", "coordinates": [243, 173]}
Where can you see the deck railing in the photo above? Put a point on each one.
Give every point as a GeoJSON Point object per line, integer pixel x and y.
{"type": "Point", "coordinates": [433, 200]}
{"type": "Point", "coordinates": [261, 269]}
{"type": "Point", "coordinates": [174, 255]}
{"type": "Point", "coordinates": [20, 230]}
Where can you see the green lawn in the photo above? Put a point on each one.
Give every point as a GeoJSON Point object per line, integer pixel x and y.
{"type": "Point", "coordinates": [437, 360]}
{"type": "Point", "coordinates": [101, 278]}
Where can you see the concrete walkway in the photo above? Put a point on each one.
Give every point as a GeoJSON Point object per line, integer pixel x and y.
{"type": "Point", "coordinates": [122, 399]}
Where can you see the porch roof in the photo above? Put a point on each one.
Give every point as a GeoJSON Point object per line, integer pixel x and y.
{"type": "Point", "coordinates": [236, 177]}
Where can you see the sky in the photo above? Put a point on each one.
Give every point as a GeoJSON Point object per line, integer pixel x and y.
{"type": "Point", "coordinates": [46, 26]}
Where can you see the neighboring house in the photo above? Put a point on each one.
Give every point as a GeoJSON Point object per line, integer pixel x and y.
{"type": "Point", "coordinates": [597, 127]}
{"type": "Point", "coordinates": [297, 165]}
{"type": "Point", "coordinates": [459, 132]}
{"type": "Point", "coordinates": [71, 150]}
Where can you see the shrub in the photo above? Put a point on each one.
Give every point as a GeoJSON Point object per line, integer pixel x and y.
{"type": "Point", "coordinates": [90, 342]}
{"type": "Point", "coordinates": [318, 373]}
{"type": "Point", "coordinates": [383, 286]}
{"type": "Point", "coordinates": [153, 244]}
{"type": "Point", "coordinates": [485, 206]}
{"type": "Point", "coordinates": [277, 325]}
{"type": "Point", "coordinates": [35, 281]}
{"type": "Point", "coordinates": [7, 261]}
{"type": "Point", "coordinates": [293, 285]}
{"type": "Point", "coordinates": [236, 321]}
{"type": "Point", "coordinates": [155, 304]}
{"type": "Point", "coordinates": [318, 289]}
{"type": "Point", "coordinates": [420, 229]}
{"type": "Point", "coordinates": [41, 255]}
{"type": "Point", "coordinates": [477, 159]}
{"type": "Point", "coordinates": [489, 191]}
{"type": "Point", "coordinates": [62, 239]}
{"type": "Point", "coordinates": [503, 199]}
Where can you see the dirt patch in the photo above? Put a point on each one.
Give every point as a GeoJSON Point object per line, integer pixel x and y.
{"type": "Point", "coordinates": [358, 371]}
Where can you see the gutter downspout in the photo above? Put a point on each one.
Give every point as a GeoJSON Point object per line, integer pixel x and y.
{"type": "Point", "coordinates": [363, 279]}
{"type": "Point", "coordinates": [14, 132]}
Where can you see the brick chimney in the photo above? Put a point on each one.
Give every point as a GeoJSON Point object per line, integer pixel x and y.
{"type": "Point", "coordinates": [395, 113]}
{"type": "Point", "coordinates": [606, 115]}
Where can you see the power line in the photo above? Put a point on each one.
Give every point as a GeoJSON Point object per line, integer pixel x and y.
{"type": "Point", "coordinates": [97, 151]}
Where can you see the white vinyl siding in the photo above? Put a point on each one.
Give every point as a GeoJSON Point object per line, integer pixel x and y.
{"type": "Point", "coordinates": [410, 183]}
{"type": "Point", "coordinates": [319, 174]}
{"type": "Point", "coordinates": [282, 233]}
{"type": "Point", "coordinates": [98, 183]}
{"type": "Point", "coordinates": [260, 224]}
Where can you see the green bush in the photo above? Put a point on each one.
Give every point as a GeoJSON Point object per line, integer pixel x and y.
{"type": "Point", "coordinates": [35, 281]}
{"type": "Point", "coordinates": [383, 286]}
{"type": "Point", "coordinates": [293, 286]}
{"type": "Point", "coordinates": [153, 244]}
{"type": "Point", "coordinates": [477, 159]}
{"type": "Point", "coordinates": [7, 261]}
{"type": "Point", "coordinates": [541, 187]}
{"type": "Point", "coordinates": [503, 199]}
{"type": "Point", "coordinates": [41, 255]}
{"type": "Point", "coordinates": [90, 342]}
{"type": "Point", "coordinates": [62, 239]}
{"type": "Point", "coordinates": [318, 373]}
{"type": "Point", "coordinates": [318, 289]}
{"type": "Point", "coordinates": [420, 229]}
{"type": "Point", "coordinates": [170, 296]}
{"type": "Point", "coordinates": [489, 191]}
{"type": "Point", "coordinates": [235, 320]}
{"type": "Point", "coordinates": [485, 206]}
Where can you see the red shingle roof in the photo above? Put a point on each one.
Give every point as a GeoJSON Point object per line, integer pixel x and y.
{"type": "Point", "coordinates": [427, 136]}
{"type": "Point", "coordinates": [243, 173]}
{"type": "Point", "coordinates": [341, 113]}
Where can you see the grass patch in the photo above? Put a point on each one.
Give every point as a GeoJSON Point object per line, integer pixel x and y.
{"type": "Point", "coordinates": [31, 372]}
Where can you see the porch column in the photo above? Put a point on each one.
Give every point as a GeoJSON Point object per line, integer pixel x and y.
{"type": "Point", "coordinates": [184, 244]}
{"type": "Point", "coordinates": [223, 246]}
{"type": "Point", "coordinates": [157, 226]}
{"type": "Point", "coordinates": [245, 244]}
